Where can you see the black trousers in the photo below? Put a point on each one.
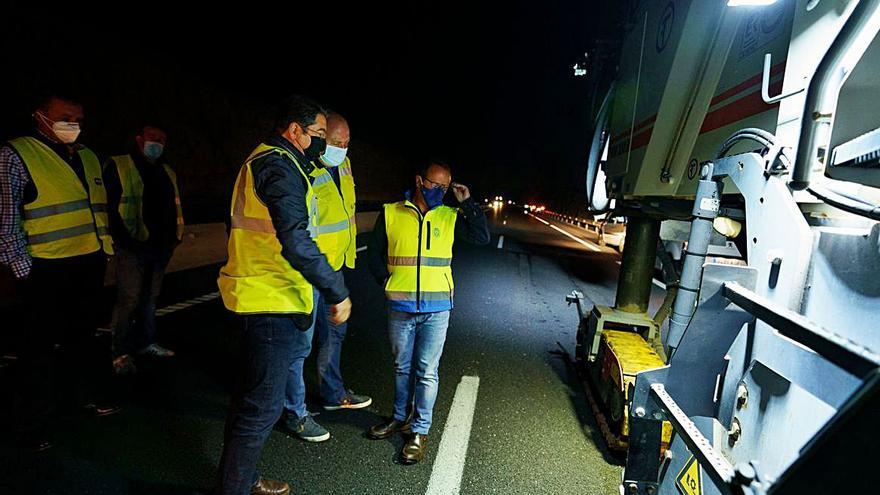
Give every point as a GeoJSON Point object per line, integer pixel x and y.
{"type": "Point", "coordinates": [61, 308]}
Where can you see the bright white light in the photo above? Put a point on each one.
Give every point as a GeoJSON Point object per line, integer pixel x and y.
{"type": "Point", "coordinates": [749, 3]}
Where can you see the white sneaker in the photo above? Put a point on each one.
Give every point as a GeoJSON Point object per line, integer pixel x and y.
{"type": "Point", "coordinates": [156, 350]}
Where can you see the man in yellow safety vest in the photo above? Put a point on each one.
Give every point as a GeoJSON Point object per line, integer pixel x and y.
{"type": "Point", "coordinates": [274, 274]}
{"type": "Point", "coordinates": [146, 221]}
{"type": "Point", "coordinates": [411, 255]}
{"type": "Point", "coordinates": [333, 183]}
{"type": "Point", "coordinates": [54, 238]}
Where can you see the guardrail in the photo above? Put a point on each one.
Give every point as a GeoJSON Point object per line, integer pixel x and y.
{"type": "Point", "coordinates": [604, 236]}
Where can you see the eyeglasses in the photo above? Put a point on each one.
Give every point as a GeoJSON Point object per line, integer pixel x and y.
{"type": "Point", "coordinates": [316, 133]}
{"type": "Point", "coordinates": [445, 187]}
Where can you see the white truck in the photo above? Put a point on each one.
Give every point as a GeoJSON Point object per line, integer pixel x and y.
{"type": "Point", "coordinates": [757, 122]}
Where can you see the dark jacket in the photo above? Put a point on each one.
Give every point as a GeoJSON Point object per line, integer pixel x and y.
{"type": "Point", "coordinates": [281, 187]}
{"type": "Point", "coordinates": [159, 208]}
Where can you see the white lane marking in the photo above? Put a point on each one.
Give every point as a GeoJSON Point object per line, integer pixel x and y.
{"type": "Point", "coordinates": [186, 304]}
{"type": "Point", "coordinates": [500, 242]}
{"type": "Point", "coordinates": [545, 222]}
{"type": "Point", "coordinates": [449, 464]}
{"type": "Point", "coordinates": [362, 248]}
{"type": "Point", "coordinates": [577, 239]}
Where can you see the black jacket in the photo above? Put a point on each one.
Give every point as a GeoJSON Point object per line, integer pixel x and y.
{"type": "Point", "coordinates": [281, 187]}
{"type": "Point", "coordinates": [159, 208]}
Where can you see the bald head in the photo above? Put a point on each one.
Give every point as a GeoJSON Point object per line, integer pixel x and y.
{"type": "Point", "coordinates": [337, 131]}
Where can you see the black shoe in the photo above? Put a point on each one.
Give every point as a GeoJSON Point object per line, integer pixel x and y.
{"type": "Point", "coordinates": [414, 449]}
{"type": "Point", "coordinates": [387, 428]}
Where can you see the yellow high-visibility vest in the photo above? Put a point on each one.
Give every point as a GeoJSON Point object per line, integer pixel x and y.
{"type": "Point", "coordinates": [419, 257]}
{"type": "Point", "coordinates": [131, 202]}
{"type": "Point", "coordinates": [257, 278]}
{"type": "Point", "coordinates": [66, 219]}
{"type": "Point", "coordinates": [337, 230]}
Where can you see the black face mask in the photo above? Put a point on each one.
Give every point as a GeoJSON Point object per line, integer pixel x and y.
{"type": "Point", "coordinates": [316, 149]}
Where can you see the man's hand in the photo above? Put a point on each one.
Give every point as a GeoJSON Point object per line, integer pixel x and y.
{"type": "Point", "coordinates": [339, 313]}
{"type": "Point", "coordinates": [461, 191]}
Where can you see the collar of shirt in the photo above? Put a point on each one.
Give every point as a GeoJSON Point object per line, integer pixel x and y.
{"type": "Point", "coordinates": [283, 143]}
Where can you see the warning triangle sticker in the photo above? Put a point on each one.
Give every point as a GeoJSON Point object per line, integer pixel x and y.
{"type": "Point", "coordinates": [689, 480]}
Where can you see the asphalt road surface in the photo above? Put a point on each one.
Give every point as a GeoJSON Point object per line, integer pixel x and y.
{"type": "Point", "coordinates": [521, 426]}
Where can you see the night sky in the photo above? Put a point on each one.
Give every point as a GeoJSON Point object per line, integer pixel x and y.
{"type": "Point", "coordinates": [487, 87]}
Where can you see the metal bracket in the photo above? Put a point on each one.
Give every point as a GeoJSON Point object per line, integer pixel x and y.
{"type": "Point", "coordinates": [850, 356]}
{"type": "Point", "coordinates": [715, 465]}
{"type": "Point", "coordinates": [643, 463]}
{"type": "Point", "coordinates": [577, 297]}
{"type": "Point", "coordinates": [765, 84]}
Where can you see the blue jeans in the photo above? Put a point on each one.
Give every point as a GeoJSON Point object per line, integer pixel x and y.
{"type": "Point", "coordinates": [139, 275]}
{"type": "Point", "coordinates": [269, 346]}
{"type": "Point", "coordinates": [295, 387]}
{"type": "Point", "coordinates": [417, 344]}
{"type": "Point", "coordinates": [329, 338]}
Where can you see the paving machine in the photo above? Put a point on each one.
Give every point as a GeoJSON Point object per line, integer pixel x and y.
{"type": "Point", "coordinates": [756, 124]}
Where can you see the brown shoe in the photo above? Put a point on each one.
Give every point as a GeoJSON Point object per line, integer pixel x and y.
{"type": "Point", "coordinates": [387, 428]}
{"type": "Point", "coordinates": [270, 487]}
{"type": "Point", "coordinates": [414, 448]}
{"type": "Point", "coordinates": [124, 365]}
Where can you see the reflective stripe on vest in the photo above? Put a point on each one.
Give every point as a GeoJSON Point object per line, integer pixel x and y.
{"type": "Point", "coordinates": [45, 211]}
{"type": "Point", "coordinates": [340, 226]}
{"type": "Point", "coordinates": [131, 200]}
{"type": "Point", "coordinates": [257, 278]}
{"type": "Point", "coordinates": [414, 260]}
{"type": "Point", "coordinates": [411, 296]}
{"type": "Point", "coordinates": [177, 205]}
{"type": "Point", "coordinates": [67, 218]}
{"type": "Point", "coordinates": [337, 230]}
{"type": "Point", "coordinates": [419, 258]}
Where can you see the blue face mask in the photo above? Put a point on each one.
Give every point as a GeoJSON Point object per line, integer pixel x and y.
{"type": "Point", "coordinates": [433, 197]}
{"type": "Point", "coordinates": [153, 150]}
{"type": "Point", "coordinates": [333, 156]}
